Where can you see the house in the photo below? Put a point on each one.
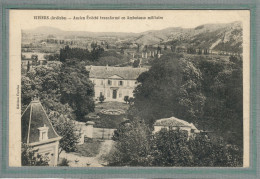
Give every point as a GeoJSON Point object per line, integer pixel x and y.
{"type": "Point", "coordinates": [114, 82]}
{"type": "Point", "coordinates": [38, 132]}
{"type": "Point", "coordinates": [175, 123]}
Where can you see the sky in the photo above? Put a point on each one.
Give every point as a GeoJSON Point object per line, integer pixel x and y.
{"type": "Point", "coordinates": [170, 18]}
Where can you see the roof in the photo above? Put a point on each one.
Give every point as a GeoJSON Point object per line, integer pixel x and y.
{"type": "Point", "coordinates": [104, 72]}
{"type": "Point", "coordinates": [34, 117]}
{"type": "Point", "coordinates": [174, 122]}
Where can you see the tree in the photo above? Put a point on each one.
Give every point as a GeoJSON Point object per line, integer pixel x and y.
{"type": "Point", "coordinates": [132, 146]}
{"type": "Point", "coordinates": [101, 98]}
{"type": "Point", "coordinates": [30, 157]}
{"type": "Point", "coordinates": [170, 88]}
{"type": "Point", "coordinates": [45, 81]}
{"type": "Point", "coordinates": [136, 63]}
{"type": "Point", "coordinates": [76, 88]}
{"type": "Point", "coordinates": [223, 87]}
{"type": "Point", "coordinates": [137, 146]}
{"type": "Point", "coordinates": [67, 129]}
{"type": "Point", "coordinates": [126, 99]}
{"type": "Point", "coordinates": [170, 148]}
{"type": "Point", "coordinates": [131, 100]}
{"type": "Point", "coordinates": [28, 66]}
{"type": "Point", "coordinates": [173, 148]}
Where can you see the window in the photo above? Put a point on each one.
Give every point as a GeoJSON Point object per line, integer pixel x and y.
{"type": "Point", "coordinates": [109, 82]}
{"type": "Point", "coordinates": [101, 82]}
{"type": "Point", "coordinates": [43, 133]}
{"type": "Point", "coordinates": [120, 83]}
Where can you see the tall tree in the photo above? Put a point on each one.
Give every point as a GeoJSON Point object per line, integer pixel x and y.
{"type": "Point", "coordinates": [76, 88]}
{"type": "Point", "coordinates": [170, 88]}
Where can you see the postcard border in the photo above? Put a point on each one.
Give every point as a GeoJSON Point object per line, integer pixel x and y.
{"type": "Point", "coordinates": [252, 170]}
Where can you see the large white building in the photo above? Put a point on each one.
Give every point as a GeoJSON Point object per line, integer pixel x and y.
{"type": "Point", "coordinates": [114, 82]}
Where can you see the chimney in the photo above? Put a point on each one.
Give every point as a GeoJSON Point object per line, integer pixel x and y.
{"type": "Point", "coordinates": [35, 98]}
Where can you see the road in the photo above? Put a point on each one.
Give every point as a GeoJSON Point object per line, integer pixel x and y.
{"type": "Point", "coordinates": [97, 161]}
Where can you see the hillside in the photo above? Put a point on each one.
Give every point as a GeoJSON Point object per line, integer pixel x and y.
{"type": "Point", "coordinates": [219, 37]}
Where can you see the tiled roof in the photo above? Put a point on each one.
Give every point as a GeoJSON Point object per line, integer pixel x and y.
{"type": "Point", "coordinates": [174, 122]}
{"type": "Point", "coordinates": [33, 118]}
{"type": "Point", "coordinates": [103, 72]}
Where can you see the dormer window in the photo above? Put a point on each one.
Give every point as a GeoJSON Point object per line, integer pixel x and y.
{"type": "Point", "coordinates": [43, 131]}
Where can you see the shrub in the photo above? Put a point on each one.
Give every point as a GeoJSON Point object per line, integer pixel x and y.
{"type": "Point", "coordinates": [64, 162]}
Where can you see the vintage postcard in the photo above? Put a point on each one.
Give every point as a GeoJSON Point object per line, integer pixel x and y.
{"type": "Point", "coordinates": [130, 88]}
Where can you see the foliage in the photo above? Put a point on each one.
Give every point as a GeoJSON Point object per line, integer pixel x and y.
{"type": "Point", "coordinates": [170, 148]}
{"type": "Point", "coordinates": [52, 57]}
{"type": "Point", "coordinates": [132, 145]}
{"type": "Point", "coordinates": [178, 94]}
{"type": "Point", "coordinates": [136, 63]}
{"type": "Point", "coordinates": [173, 148]}
{"type": "Point", "coordinates": [101, 98]}
{"type": "Point", "coordinates": [137, 147]}
{"type": "Point", "coordinates": [68, 130]}
{"type": "Point", "coordinates": [76, 88]}
{"type": "Point", "coordinates": [30, 157]}
{"type": "Point", "coordinates": [46, 81]}
{"type": "Point", "coordinates": [64, 162]}
{"type": "Point", "coordinates": [126, 99]}
{"type": "Point", "coordinates": [80, 54]}
{"type": "Point", "coordinates": [223, 87]}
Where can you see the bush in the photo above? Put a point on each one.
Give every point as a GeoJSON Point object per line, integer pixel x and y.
{"type": "Point", "coordinates": [126, 99]}
{"type": "Point", "coordinates": [64, 162]}
{"type": "Point", "coordinates": [30, 157]}
{"type": "Point", "coordinates": [136, 146]}
{"type": "Point", "coordinates": [101, 98]}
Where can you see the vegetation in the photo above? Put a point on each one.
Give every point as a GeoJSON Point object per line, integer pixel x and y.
{"type": "Point", "coordinates": [65, 93]}
{"type": "Point", "coordinates": [101, 98]}
{"type": "Point", "coordinates": [178, 94]}
{"type": "Point", "coordinates": [132, 145]}
{"type": "Point", "coordinates": [126, 99]}
{"type": "Point", "coordinates": [76, 89]}
{"type": "Point", "coordinates": [136, 146]}
{"type": "Point", "coordinates": [31, 158]}
{"type": "Point", "coordinates": [64, 162]}
{"type": "Point", "coordinates": [80, 54]}
{"type": "Point", "coordinates": [69, 132]}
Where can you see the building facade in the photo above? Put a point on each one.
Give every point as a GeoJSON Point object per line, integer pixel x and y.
{"type": "Point", "coordinates": [38, 132]}
{"type": "Point", "coordinates": [114, 83]}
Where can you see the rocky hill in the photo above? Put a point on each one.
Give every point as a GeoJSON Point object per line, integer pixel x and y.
{"type": "Point", "coordinates": [219, 37]}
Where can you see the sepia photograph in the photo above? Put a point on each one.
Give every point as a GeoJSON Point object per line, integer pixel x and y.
{"type": "Point", "coordinates": [129, 88]}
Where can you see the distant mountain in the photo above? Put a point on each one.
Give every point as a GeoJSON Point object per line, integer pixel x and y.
{"type": "Point", "coordinates": [219, 37]}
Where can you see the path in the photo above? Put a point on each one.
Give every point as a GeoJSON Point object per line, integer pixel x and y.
{"type": "Point", "coordinates": [81, 161]}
